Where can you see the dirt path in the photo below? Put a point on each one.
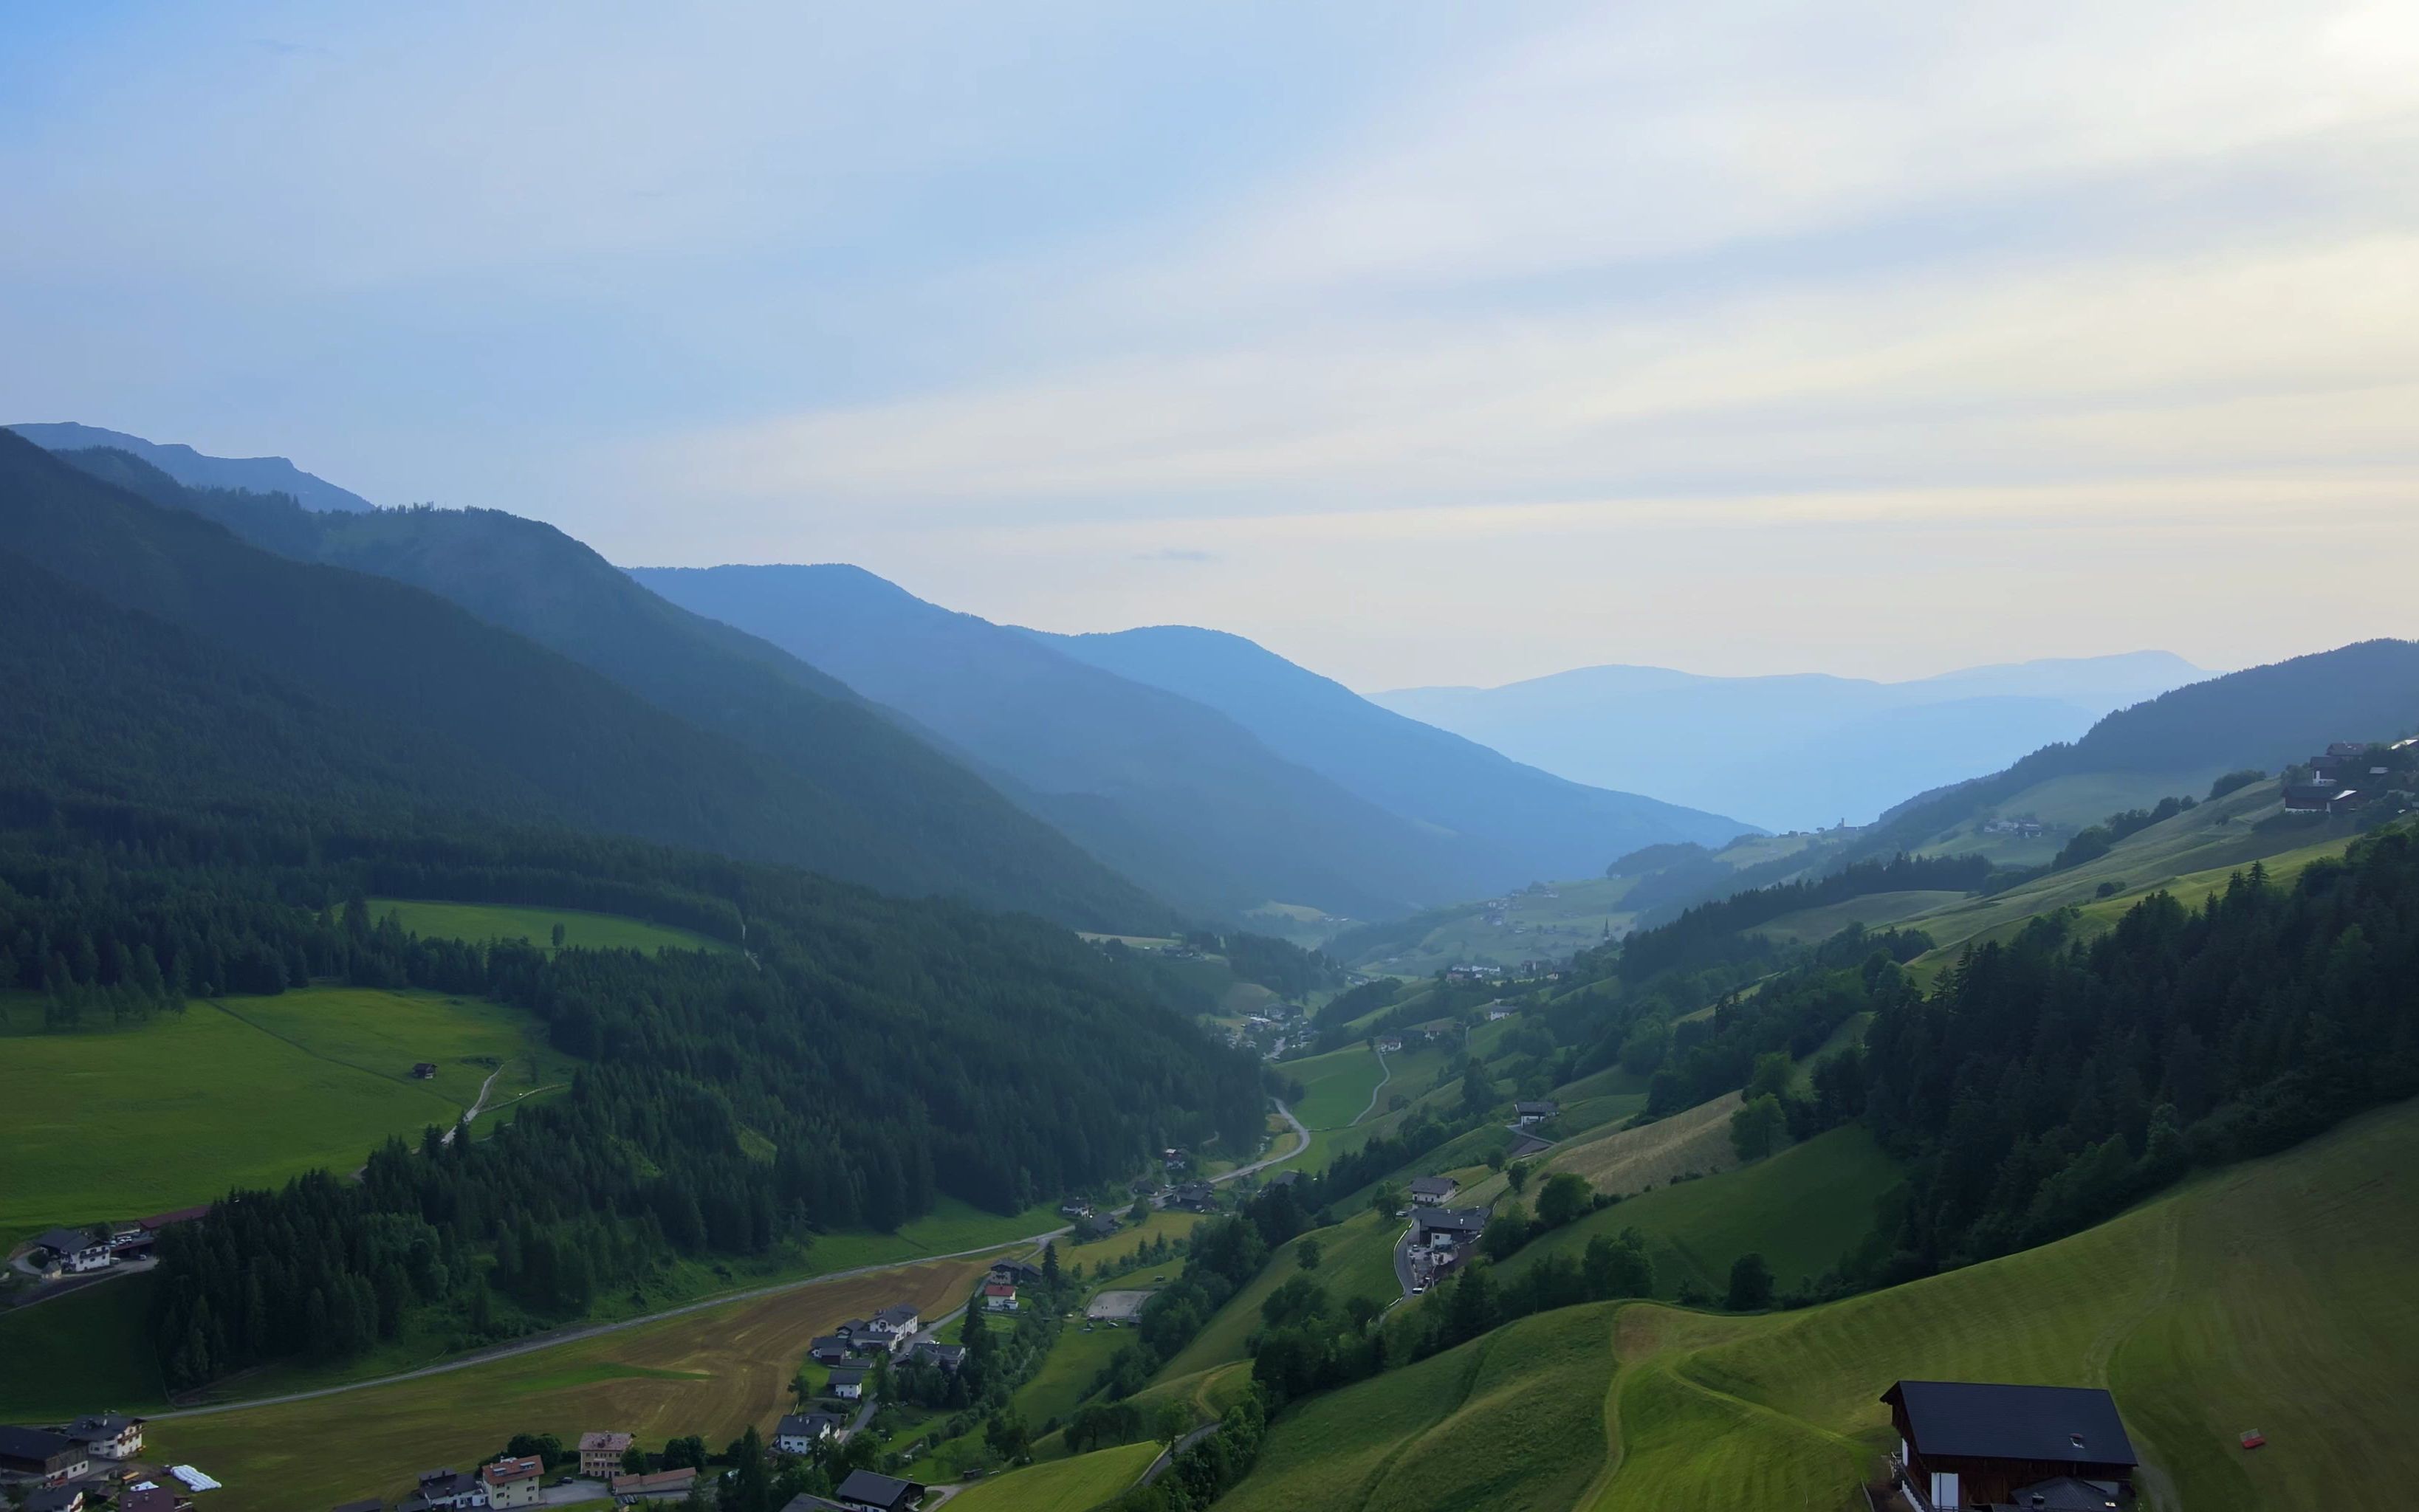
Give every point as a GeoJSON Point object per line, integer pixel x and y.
{"type": "Point", "coordinates": [477, 1103]}
{"type": "Point", "coordinates": [1374, 1090]}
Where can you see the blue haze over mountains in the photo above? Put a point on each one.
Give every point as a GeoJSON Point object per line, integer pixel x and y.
{"type": "Point", "coordinates": [1798, 751]}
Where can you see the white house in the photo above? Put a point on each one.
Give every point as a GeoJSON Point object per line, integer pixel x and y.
{"type": "Point", "coordinates": [517, 1480]}
{"type": "Point", "coordinates": [108, 1435]}
{"type": "Point", "coordinates": [798, 1432]}
{"type": "Point", "coordinates": [452, 1488]}
{"type": "Point", "coordinates": [848, 1384]}
{"type": "Point", "coordinates": [999, 1297]}
{"type": "Point", "coordinates": [72, 1250]}
{"type": "Point", "coordinates": [895, 1326]}
{"type": "Point", "coordinates": [1527, 1114]}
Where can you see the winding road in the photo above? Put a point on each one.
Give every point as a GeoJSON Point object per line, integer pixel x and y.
{"type": "Point", "coordinates": [1374, 1090]}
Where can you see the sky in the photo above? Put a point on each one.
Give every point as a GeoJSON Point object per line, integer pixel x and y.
{"type": "Point", "coordinates": [1422, 343]}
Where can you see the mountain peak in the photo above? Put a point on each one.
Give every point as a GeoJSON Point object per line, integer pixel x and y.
{"type": "Point", "coordinates": [199, 469]}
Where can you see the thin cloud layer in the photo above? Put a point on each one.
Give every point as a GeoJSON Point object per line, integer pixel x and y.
{"type": "Point", "coordinates": [1479, 345]}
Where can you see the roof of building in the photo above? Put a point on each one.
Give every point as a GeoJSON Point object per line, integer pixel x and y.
{"type": "Point", "coordinates": [1527, 1145]}
{"type": "Point", "coordinates": [173, 1215]}
{"type": "Point", "coordinates": [806, 1424]}
{"type": "Point", "coordinates": [1977, 1420]}
{"type": "Point", "coordinates": [64, 1240]}
{"type": "Point", "coordinates": [160, 1499]}
{"type": "Point", "coordinates": [55, 1498]}
{"type": "Point", "coordinates": [947, 1354]}
{"type": "Point", "coordinates": [1442, 1185]}
{"type": "Point", "coordinates": [1544, 1109]}
{"type": "Point", "coordinates": [2064, 1494]}
{"type": "Point", "coordinates": [878, 1490]}
{"type": "Point", "coordinates": [446, 1482]}
{"type": "Point", "coordinates": [102, 1425]}
{"type": "Point", "coordinates": [896, 1314]}
{"type": "Point", "coordinates": [848, 1375]}
{"type": "Point", "coordinates": [508, 1470]}
{"type": "Point", "coordinates": [803, 1502]}
{"type": "Point", "coordinates": [1285, 1178]}
{"type": "Point", "coordinates": [608, 1443]}
{"type": "Point", "coordinates": [998, 1288]}
{"type": "Point", "coordinates": [33, 1443]}
{"type": "Point", "coordinates": [827, 1344]}
{"type": "Point", "coordinates": [1451, 1220]}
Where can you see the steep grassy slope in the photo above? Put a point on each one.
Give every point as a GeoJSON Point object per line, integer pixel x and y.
{"type": "Point", "coordinates": [1063, 1485]}
{"type": "Point", "coordinates": [581, 930]}
{"type": "Point", "coordinates": [2272, 1295]}
{"type": "Point", "coordinates": [1803, 1210]}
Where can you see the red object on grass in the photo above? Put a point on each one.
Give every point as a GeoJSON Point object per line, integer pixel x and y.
{"type": "Point", "coordinates": [2253, 1439]}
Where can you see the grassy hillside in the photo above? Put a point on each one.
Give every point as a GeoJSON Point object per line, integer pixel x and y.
{"type": "Point", "coordinates": [1336, 1087]}
{"type": "Point", "coordinates": [1358, 1260]}
{"type": "Point", "coordinates": [2270, 1295]}
{"type": "Point", "coordinates": [1812, 926]}
{"type": "Point", "coordinates": [117, 1123]}
{"type": "Point", "coordinates": [1063, 1485]}
{"type": "Point", "coordinates": [1511, 1421]}
{"type": "Point", "coordinates": [497, 921]}
{"type": "Point", "coordinates": [1803, 1210]}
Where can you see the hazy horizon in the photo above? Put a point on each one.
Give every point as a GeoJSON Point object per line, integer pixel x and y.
{"type": "Point", "coordinates": [1423, 345]}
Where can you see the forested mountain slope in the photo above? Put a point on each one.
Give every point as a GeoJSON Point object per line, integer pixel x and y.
{"type": "Point", "coordinates": [1174, 792]}
{"type": "Point", "coordinates": [1542, 826]}
{"type": "Point", "coordinates": [716, 740]}
{"type": "Point", "coordinates": [868, 804]}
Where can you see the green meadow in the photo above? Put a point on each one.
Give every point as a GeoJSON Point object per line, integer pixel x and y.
{"type": "Point", "coordinates": [119, 1122]}
{"type": "Point", "coordinates": [1070, 1485]}
{"type": "Point", "coordinates": [2273, 1295]}
{"type": "Point", "coordinates": [581, 930]}
{"type": "Point", "coordinates": [1336, 1087]}
{"type": "Point", "coordinates": [1803, 1210]}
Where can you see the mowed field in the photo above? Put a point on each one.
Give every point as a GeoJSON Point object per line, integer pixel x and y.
{"type": "Point", "coordinates": [1803, 1210]}
{"type": "Point", "coordinates": [1336, 1087]}
{"type": "Point", "coordinates": [711, 1372]}
{"type": "Point", "coordinates": [1063, 1485]}
{"type": "Point", "coordinates": [581, 930]}
{"type": "Point", "coordinates": [2272, 1295]}
{"type": "Point", "coordinates": [121, 1122]}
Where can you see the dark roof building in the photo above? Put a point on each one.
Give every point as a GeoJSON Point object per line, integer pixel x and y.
{"type": "Point", "coordinates": [1451, 1225]}
{"type": "Point", "coordinates": [1964, 1441]}
{"type": "Point", "coordinates": [55, 1499]}
{"type": "Point", "coordinates": [865, 1491]}
{"type": "Point", "coordinates": [38, 1452]}
{"type": "Point", "coordinates": [895, 1316]}
{"type": "Point", "coordinates": [1285, 1178]}
{"type": "Point", "coordinates": [1432, 1189]}
{"type": "Point", "coordinates": [827, 1349]}
{"type": "Point", "coordinates": [1529, 1112]}
{"type": "Point", "coordinates": [947, 1356]}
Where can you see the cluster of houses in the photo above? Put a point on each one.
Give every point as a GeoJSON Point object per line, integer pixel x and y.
{"type": "Point", "coordinates": [66, 1252]}
{"type": "Point", "coordinates": [2016, 828]}
{"type": "Point", "coordinates": [519, 1481]}
{"type": "Point", "coordinates": [64, 1466]}
{"type": "Point", "coordinates": [2350, 774]}
{"type": "Point", "coordinates": [886, 1335]}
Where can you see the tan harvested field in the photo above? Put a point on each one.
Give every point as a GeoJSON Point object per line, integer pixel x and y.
{"type": "Point", "coordinates": [1632, 1160]}
{"type": "Point", "coordinates": [711, 1373]}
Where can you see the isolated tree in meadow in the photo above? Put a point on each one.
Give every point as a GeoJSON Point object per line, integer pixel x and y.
{"type": "Point", "coordinates": [1387, 1200]}
{"type": "Point", "coordinates": [1172, 1424]}
{"type": "Point", "coordinates": [558, 934]}
{"type": "Point", "coordinates": [1518, 1174]}
{"type": "Point", "coordinates": [1307, 1254]}
{"type": "Point", "coordinates": [1755, 1128]}
{"type": "Point", "coordinates": [1751, 1284]}
{"type": "Point", "coordinates": [1495, 1159]}
{"type": "Point", "coordinates": [1772, 1075]}
{"type": "Point", "coordinates": [1564, 1197]}
{"type": "Point", "coordinates": [1008, 1436]}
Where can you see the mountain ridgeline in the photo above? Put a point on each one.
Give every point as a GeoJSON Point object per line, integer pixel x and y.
{"type": "Point", "coordinates": [553, 688]}
{"type": "Point", "coordinates": [1220, 775]}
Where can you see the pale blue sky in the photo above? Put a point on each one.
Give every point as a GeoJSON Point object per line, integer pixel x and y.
{"type": "Point", "coordinates": [1423, 343]}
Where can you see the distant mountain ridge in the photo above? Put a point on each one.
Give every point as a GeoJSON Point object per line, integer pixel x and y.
{"type": "Point", "coordinates": [584, 701]}
{"type": "Point", "coordinates": [196, 470]}
{"type": "Point", "coordinates": [1173, 789]}
{"type": "Point", "coordinates": [1564, 828]}
{"type": "Point", "coordinates": [1792, 751]}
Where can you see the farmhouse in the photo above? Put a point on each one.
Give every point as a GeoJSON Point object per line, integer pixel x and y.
{"type": "Point", "coordinates": [37, 1452]}
{"type": "Point", "coordinates": [57, 1499]}
{"type": "Point", "coordinates": [865, 1491]}
{"type": "Point", "coordinates": [848, 1384]}
{"type": "Point", "coordinates": [1432, 1191]}
{"type": "Point", "coordinates": [1285, 1178]}
{"type": "Point", "coordinates": [75, 1250]}
{"type": "Point", "coordinates": [514, 1481]}
{"type": "Point", "coordinates": [1529, 1114]}
{"type": "Point", "coordinates": [662, 1486]}
{"type": "Point", "coordinates": [451, 1488]}
{"type": "Point", "coordinates": [895, 1325]}
{"type": "Point", "coordinates": [150, 1498]}
{"type": "Point", "coordinates": [423, 1070]}
{"type": "Point", "coordinates": [1194, 1197]}
{"type": "Point", "coordinates": [999, 1297]}
{"type": "Point", "coordinates": [1389, 1044]}
{"type": "Point", "coordinates": [1016, 1273]}
{"type": "Point", "coordinates": [600, 1454]}
{"type": "Point", "coordinates": [1966, 1442]}
{"type": "Point", "coordinates": [798, 1432]}
{"type": "Point", "coordinates": [1443, 1227]}
{"type": "Point", "coordinates": [827, 1350]}
{"type": "Point", "coordinates": [1526, 1145]}
{"type": "Point", "coordinates": [947, 1356]}
{"type": "Point", "coordinates": [108, 1436]}
{"type": "Point", "coordinates": [1098, 1226]}
{"type": "Point", "coordinates": [175, 1215]}
{"type": "Point", "coordinates": [1074, 1210]}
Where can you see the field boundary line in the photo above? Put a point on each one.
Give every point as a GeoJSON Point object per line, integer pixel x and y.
{"type": "Point", "coordinates": [1386, 1074]}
